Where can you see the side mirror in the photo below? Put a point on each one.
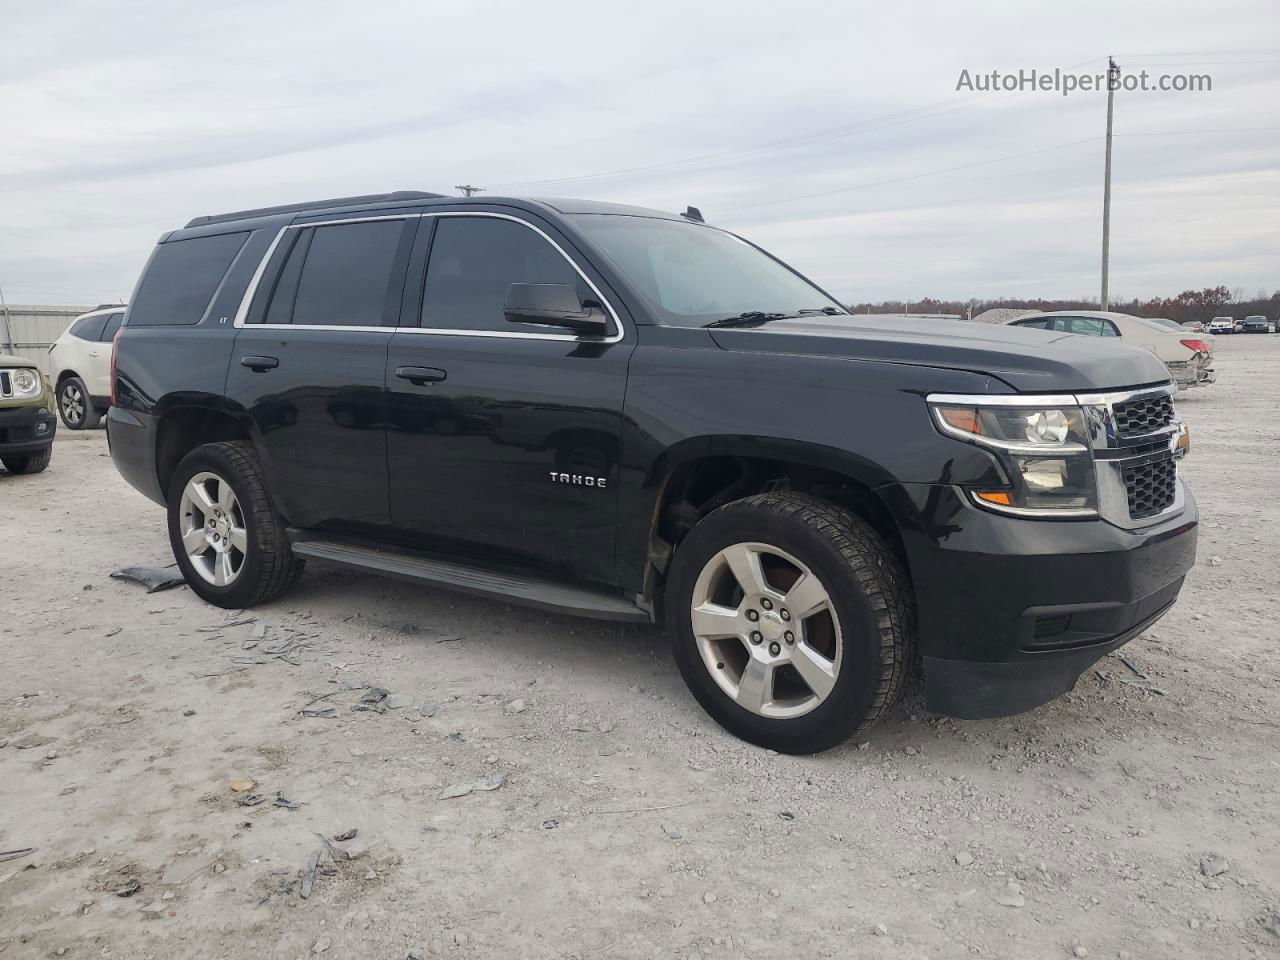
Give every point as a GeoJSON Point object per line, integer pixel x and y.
{"type": "Point", "coordinates": [553, 305]}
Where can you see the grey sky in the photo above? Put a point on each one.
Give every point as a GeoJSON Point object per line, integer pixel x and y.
{"type": "Point", "coordinates": [123, 123]}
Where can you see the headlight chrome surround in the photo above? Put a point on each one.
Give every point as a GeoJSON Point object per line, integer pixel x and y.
{"type": "Point", "coordinates": [1043, 442]}
{"type": "Point", "coordinates": [26, 382]}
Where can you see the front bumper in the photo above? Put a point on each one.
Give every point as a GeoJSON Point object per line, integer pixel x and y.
{"type": "Point", "coordinates": [26, 430]}
{"type": "Point", "coordinates": [1012, 611]}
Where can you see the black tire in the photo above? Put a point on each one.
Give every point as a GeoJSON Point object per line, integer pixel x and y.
{"type": "Point", "coordinates": [870, 597]}
{"type": "Point", "coordinates": [269, 566]}
{"type": "Point", "coordinates": [75, 408]}
{"type": "Point", "coordinates": [29, 463]}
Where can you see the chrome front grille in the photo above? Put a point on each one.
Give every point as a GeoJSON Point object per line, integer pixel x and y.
{"type": "Point", "coordinates": [1134, 435]}
{"type": "Point", "coordinates": [1150, 487]}
{"type": "Point", "coordinates": [1142, 415]}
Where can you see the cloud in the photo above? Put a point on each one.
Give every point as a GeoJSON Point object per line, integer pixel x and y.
{"type": "Point", "coordinates": [148, 115]}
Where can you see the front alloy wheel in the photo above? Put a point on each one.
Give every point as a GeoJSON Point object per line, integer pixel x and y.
{"type": "Point", "coordinates": [792, 620]}
{"type": "Point", "coordinates": [212, 528]}
{"type": "Point", "coordinates": [765, 629]}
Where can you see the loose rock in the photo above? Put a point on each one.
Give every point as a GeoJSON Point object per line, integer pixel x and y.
{"type": "Point", "coordinates": [1214, 865]}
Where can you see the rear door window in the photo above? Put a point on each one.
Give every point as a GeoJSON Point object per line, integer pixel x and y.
{"type": "Point", "coordinates": [182, 278]}
{"type": "Point", "coordinates": [342, 275]}
{"type": "Point", "coordinates": [1042, 323]}
{"type": "Point", "coordinates": [1091, 326]}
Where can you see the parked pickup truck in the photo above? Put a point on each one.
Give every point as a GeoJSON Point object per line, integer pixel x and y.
{"type": "Point", "coordinates": [632, 415]}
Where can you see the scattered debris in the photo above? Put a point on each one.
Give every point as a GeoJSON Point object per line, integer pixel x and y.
{"type": "Point", "coordinates": [153, 579]}
{"type": "Point", "coordinates": [324, 713]}
{"type": "Point", "coordinates": [1011, 896]}
{"type": "Point", "coordinates": [6, 855]}
{"type": "Point", "coordinates": [251, 799]}
{"type": "Point", "coordinates": [1271, 922]}
{"type": "Point", "coordinates": [964, 858]}
{"type": "Point", "coordinates": [550, 824]}
{"type": "Point", "coordinates": [112, 632]}
{"type": "Point", "coordinates": [242, 786]}
{"type": "Point", "coordinates": [280, 801]}
{"type": "Point", "coordinates": [453, 791]}
{"type": "Point", "coordinates": [709, 897]}
{"type": "Point", "coordinates": [1129, 663]}
{"type": "Point", "coordinates": [880, 930]}
{"type": "Point", "coordinates": [374, 695]}
{"type": "Point", "coordinates": [516, 706]}
{"type": "Point", "coordinates": [429, 709]}
{"type": "Point", "coordinates": [1214, 865]}
{"type": "Point", "coordinates": [129, 889]}
{"type": "Point", "coordinates": [309, 874]}
{"type": "Point", "coordinates": [346, 835]}
{"type": "Point", "coordinates": [672, 833]}
{"type": "Point", "coordinates": [398, 701]}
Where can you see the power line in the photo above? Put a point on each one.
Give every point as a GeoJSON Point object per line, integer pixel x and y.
{"type": "Point", "coordinates": [915, 176]}
{"type": "Point", "coordinates": [983, 163]}
{"type": "Point", "coordinates": [924, 112]}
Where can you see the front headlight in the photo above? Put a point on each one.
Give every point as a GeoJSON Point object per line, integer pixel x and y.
{"type": "Point", "coordinates": [26, 382]}
{"type": "Point", "coordinates": [1042, 442]}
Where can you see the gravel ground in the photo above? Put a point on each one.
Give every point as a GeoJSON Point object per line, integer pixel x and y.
{"type": "Point", "coordinates": [607, 816]}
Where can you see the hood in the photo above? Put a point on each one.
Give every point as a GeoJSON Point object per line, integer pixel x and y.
{"type": "Point", "coordinates": [1028, 360]}
{"type": "Point", "coordinates": [9, 360]}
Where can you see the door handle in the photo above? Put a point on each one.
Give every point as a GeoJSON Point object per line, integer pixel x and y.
{"type": "Point", "coordinates": [260, 364]}
{"type": "Point", "coordinates": [421, 375]}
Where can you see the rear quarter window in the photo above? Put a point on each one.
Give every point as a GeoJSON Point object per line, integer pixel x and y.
{"type": "Point", "coordinates": [88, 328]}
{"type": "Point", "coordinates": [182, 278]}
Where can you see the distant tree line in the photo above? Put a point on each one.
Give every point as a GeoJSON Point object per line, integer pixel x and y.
{"type": "Point", "coordinates": [1188, 305]}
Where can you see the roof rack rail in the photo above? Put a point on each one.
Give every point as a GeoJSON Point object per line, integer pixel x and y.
{"type": "Point", "coordinates": [315, 205]}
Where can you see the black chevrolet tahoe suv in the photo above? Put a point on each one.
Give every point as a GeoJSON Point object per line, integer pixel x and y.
{"type": "Point", "coordinates": [632, 415]}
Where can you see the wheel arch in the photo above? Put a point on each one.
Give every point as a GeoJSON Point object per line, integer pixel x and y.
{"type": "Point", "coordinates": [694, 478]}
{"type": "Point", "coordinates": [182, 428]}
{"type": "Point", "coordinates": [65, 375]}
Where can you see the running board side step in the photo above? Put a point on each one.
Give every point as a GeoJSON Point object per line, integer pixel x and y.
{"type": "Point", "coordinates": [451, 575]}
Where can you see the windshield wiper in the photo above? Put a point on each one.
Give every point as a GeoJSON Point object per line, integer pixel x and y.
{"type": "Point", "coordinates": [749, 319]}
{"type": "Point", "coordinates": [825, 311]}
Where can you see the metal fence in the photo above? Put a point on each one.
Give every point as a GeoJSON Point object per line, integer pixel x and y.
{"type": "Point", "coordinates": [29, 331]}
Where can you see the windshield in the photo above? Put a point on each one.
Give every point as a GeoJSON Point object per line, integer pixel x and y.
{"type": "Point", "coordinates": [693, 274]}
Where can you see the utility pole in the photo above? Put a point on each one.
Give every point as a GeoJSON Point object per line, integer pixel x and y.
{"type": "Point", "coordinates": [8, 330]}
{"type": "Point", "coordinates": [1113, 80]}
{"type": "Point", "coordinates": [467, 189]}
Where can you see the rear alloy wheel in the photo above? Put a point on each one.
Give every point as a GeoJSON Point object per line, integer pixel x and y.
{"type": "Point", "coordinates": [211, 524]}
{"type": "Point", "coordinates": [792, 619]}
{"type": "Point", "coordinates": [75, 406]}
{"type": "Point", "coordinates": [227, 537]}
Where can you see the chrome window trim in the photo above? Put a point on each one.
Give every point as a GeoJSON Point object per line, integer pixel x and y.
{"type": "Point", "coordinates": [251, 290]}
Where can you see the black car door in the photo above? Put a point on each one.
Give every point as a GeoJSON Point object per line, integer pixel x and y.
{"type": "Point", "coordinates": [309, 366]}
{"type": "Point", "coordinates": [504, 438]}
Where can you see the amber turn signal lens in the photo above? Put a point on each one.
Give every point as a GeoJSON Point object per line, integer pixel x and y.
{"type": "Point", "coordinates": [962, 418]}
{"type": "Point", "coordinates": [995, 496]}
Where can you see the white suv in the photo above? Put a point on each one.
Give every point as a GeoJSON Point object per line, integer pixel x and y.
{"type": "Point", "coordinates": [1222, 325]}
{"type": "Point", "coordinates": [80, 362]}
